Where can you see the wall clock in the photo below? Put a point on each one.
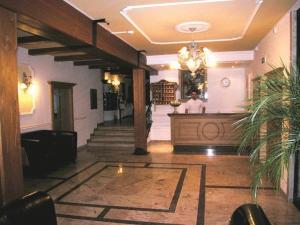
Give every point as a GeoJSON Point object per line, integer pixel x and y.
{"type": "Point", "coordinates": [225, 82]}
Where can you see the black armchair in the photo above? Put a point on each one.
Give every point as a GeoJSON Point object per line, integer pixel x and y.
{"type": "Point", "coordinates": [249, 214]}
{"type": "Point", "coordinates": [48, 149]}
{"type": "Point", "coordinates": [33, 209]}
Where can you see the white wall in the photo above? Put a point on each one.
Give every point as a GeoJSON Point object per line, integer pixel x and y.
{"type": "Point", "coordinates": [220, 99]}
{"type": "Point", "coordinates": [46, 69]}
{"type": "Point", "coordinates": [226, 99]}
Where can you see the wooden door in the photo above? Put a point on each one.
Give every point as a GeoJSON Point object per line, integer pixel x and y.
{"type": "Point", "coordinates": [62, 106]}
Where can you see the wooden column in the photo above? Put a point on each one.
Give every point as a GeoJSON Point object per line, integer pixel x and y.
{"type": "Point", "coordinates": [139, 111]}
{"type": "Point", "coordinates": [11, 176]}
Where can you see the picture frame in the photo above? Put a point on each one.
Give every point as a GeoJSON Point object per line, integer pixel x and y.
{"type": "Point", "coordinates": [197, 82]}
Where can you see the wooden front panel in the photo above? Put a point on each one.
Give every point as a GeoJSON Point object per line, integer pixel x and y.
{"type": "Point", "coordinates": [11, 176]}
{"type": "Point", "coordinates": [204, 130]}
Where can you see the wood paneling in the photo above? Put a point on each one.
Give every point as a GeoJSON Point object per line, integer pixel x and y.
{"type": "Point", "coordinates": [204, 129]}
{"type": "Point", "coordinates": [139, 111]}
{"type": "Point", "coordinates": [11, 178]}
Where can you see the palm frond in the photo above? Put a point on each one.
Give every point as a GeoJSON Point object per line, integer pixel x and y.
{"type": "Point", "coordinates": [272, 123]}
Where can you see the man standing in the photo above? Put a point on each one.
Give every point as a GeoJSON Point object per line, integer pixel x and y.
{"type": "Point", "coordinates": [194, 105]}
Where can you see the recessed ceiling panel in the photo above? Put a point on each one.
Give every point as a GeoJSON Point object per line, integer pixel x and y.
{"type": "Point", "coordinates": [234, 25]}
{"type": "Point", "coordinates": [157, 22]}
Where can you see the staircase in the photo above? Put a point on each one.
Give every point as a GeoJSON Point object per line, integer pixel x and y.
{"type": "Point", "coordinates": [117, 139]}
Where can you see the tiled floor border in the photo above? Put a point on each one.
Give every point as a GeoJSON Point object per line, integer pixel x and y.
{"type": "Point", "coordinates": [172, 208]}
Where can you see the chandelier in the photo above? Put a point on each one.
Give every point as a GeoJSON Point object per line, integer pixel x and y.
{"type": "Point", "coordinates": [194, 58]}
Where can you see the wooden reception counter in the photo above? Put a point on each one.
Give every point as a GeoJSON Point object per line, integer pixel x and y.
{"type": "Point", "coordinates": [208, 129]}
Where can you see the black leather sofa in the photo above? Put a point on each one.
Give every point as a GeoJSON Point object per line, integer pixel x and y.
{"type": "Point", "coordinates": [47, 150]}
{"type": "Point", "coordinates": [249, 214]}
{"type": "Point", "coordinates": [33, 209]}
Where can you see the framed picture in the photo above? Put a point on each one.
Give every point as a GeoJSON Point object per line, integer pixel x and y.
{"type": "Point", "coordinates": [26, 93]}
{"type": "Point", "coordinates": [189, 83]}
{"type": "Point", "coordinates": [93, 97]}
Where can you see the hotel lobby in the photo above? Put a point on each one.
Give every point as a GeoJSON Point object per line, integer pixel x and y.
{"type": "Point", "coordinates": [96, 112]}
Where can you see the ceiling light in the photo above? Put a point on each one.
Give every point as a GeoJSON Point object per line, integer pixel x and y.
{"type": "Point", "coordinates": [124, 32]}
{"type": "Point", "coordinates": [193, 57]}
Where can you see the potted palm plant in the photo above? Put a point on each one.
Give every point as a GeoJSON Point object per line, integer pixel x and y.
{"type": "Point", "coordinates": [272, 125]}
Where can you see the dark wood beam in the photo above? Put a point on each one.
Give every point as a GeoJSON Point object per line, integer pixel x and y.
{"type": "Point", "coordinates": [56, 14]}
{"type": "Point", "coordinates": [75, 57]}
{"type": "Point", "coordinates": [45, 51]}
{"type": "Point", "coordinates": [92, 62]}
{"type": "Point", "coordinates": [31, 39]}
{"type": "Point", "coordinates": [151, 70]}
{"type": "Point", "coordinates": [125, 71]}
{"type": "Point", "coordinates": [11, 175]}
{"type": "Point", "coordinates": [111, 44]}
{"type": "Point", "coordinates": [139, 111]}
{"type": "Point", "coordinates": [105, 67]}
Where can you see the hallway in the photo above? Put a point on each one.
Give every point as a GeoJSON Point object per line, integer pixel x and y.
{"type": "Point", "coordinates": [160, 188]}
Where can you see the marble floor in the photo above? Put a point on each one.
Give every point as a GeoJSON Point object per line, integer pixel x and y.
{"type": "Point", "coordinates": [159, 188]}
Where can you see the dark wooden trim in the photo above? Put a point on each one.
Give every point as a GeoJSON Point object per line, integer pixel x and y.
{"type": "Point", "coordinates": [45, 51]}
{"type": "Point", "coordinates": [76, 57]}
{"type": "Point", "coordinates": [31, 39]}
{"type": "Point", "coordinates": [11, 175]}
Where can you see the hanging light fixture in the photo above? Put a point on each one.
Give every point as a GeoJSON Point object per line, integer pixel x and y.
{"type": "Point", "coordinates": [194, 57]}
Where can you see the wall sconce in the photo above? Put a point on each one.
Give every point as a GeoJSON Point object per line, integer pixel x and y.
{"type": "Point", "coordinates": [27, 85]}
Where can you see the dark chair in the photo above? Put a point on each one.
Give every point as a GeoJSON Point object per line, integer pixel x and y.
{"type": "Point", "coordinates": [47, 150]}
{"type": "Point", "coordinates": [249, 214]}
{"type": "Point", "coordinates": [33, 209]}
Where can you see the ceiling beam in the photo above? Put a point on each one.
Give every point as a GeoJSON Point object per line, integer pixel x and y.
{"type": "Point", "coordinates": [92, 62]}
{"type": "Point", "coordinates": [31, 39]}
{"type": "Point", "coordinates": [76, 57]}
{"type": "Point", "coordinates": [105, 67]}
{"type": "Point", "coordinates": [57, 18]}
{"type": "Point", "coordinates": [45, 51]}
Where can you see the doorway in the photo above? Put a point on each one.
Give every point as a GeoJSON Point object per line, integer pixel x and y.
{"type": "Point", "coordinates": [62, 106]}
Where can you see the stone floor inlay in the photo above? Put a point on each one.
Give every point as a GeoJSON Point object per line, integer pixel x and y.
{"type": "Point", "coordinates": [130, 193]}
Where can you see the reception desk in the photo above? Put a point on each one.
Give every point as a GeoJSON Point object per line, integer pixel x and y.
{"type": "Point", "coordinates": [208, 129]}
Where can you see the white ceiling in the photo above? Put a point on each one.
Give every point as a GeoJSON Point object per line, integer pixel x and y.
{"type": "Point", "coordinates": [234, 25]}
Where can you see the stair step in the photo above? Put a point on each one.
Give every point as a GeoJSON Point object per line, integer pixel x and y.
{"type": "Point", "coordinates": [113, 139]}
{"type": "Point", "coordinates": [108, 152]}
{"type": "Point", "coordinates": [110, 145]}
{"type": "Point", "coordinates": [113, 133]}
{"type": "Point", "coordinates": [115, 128]}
